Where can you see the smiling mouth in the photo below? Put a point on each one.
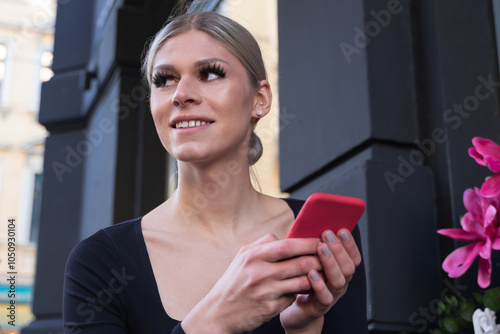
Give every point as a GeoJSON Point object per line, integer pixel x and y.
{"type": "Point", "coordinates": [191, 124]}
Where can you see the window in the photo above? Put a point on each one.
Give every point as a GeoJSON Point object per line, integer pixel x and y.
{"type": "Point", "coordinates": [31, 193]}
{"type": "Point", "coordinates": [3, 61]}
{"type": "Point", "coordinates": [203, 5]}
{"type": "Point", "coordinates": [46, 64]}
{"type": "Point", "coordinates": [37, 205]}
{"type": "Point", "coordinates": [43, 74]}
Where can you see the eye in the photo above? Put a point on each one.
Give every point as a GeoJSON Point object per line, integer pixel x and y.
{"type": "Point", "coordinates": [212, 72]}
{"type": "Point", "coordinates": [212, 76]}
{"type": "Point", "coordinates": [163, 79]}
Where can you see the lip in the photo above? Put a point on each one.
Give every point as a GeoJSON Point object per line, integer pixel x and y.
{"type": "Point", "coordinates": [186, 131]}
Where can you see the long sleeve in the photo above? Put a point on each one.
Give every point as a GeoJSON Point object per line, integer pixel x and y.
{"type": "Point", "coordinates": [110, 288]}
{"type": "Point", "coordinates": [178, 330]}
{"type": "Point", "coordinates": [348, 315]}
{"type": "Point", "coordinates": [94, 289]}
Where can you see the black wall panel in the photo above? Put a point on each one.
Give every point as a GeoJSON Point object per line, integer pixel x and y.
{"type": "Point", "coordinates": [387, 97]}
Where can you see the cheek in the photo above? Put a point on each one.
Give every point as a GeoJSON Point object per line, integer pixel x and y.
{"type": "Point", "coordinates": [243, 97]}
{"type": "Point", "coordinates": [160, 114]}
{"type": "Point", "coordinates": [154, 101]}
{"type": "Point", "coordinates": [158, 108]}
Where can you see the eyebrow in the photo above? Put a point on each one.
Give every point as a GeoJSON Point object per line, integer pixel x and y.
{"type": "Point", "coordinates": [209, 61]}
{"type": "Point", "coordinates": [199, 63]}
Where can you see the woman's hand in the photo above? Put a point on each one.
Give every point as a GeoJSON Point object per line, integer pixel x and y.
{"type": "Point", "coordinates": [260, 282]}
{"type": "Point", "coordinates": [339, 256]}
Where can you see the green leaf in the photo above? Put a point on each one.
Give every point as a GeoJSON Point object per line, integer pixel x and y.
{"type": "Point", "coordinates": [492, 299]}
{"type": "Point", "coordinates": [466, 310]}
{"type": "Point", "coordinates": [451, 325]}
{"type": "Point", "coordinates": [441, 307]}
{"type": "Point", "coordinates": [454, 302]}
{"type": "Point", "coordinates": [479, 299]}
{"type": "Point", "coordinates": [436, 331]}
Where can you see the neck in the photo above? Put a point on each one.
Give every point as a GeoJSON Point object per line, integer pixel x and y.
{"type": "Point", "coordinates": [218, 197]}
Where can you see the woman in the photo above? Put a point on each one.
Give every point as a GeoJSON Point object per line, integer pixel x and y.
{"type": "Point", "coordinates": [212, 258]}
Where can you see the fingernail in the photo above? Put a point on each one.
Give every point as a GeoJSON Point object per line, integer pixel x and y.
{"type": "Point", "coordinates": [315, 276]}
{"type": "Point", "coordinates": [330, 237]}
{"type": "Point", "coordinates": [344, 236]}
{"type": "Point", "coordinates": [326, 251]}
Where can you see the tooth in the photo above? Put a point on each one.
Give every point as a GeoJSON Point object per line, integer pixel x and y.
{"type": "Point", "coordinates": [203, 123]}
{"type": "Point", "coordinates": [198, 123]}
{"type": "Point", "coordinates": [185, 124]}
{"type": "Point", "coordinates": [192, 123]}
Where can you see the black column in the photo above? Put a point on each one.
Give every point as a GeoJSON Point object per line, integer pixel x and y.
{"type": "Point", "coordinates": [365, 93]}
{"type": "Point", "coordinates": [103, 160]}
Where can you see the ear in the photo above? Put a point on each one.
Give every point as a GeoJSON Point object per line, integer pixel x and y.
{"type": "Point", "coordinates": [262, 100]}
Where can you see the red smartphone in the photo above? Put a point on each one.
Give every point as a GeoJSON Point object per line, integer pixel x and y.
{"type": "Point", "coordinates": [326, 212]}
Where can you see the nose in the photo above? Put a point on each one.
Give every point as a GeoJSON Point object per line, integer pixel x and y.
{"type": "Point", "coordinates": [185, 93]}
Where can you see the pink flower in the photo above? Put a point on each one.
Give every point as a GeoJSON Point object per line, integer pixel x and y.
{"type": "Point", "coordinates": [487, 153]}
{"type": "Point", "coordinates": [481, 226]}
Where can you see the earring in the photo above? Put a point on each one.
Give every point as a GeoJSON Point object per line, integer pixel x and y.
{"type": "Point", "coordinates": [259, 112]}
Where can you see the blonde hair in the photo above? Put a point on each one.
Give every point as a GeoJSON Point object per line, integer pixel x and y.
{"type": "Point", "coordinates": [232, 35]}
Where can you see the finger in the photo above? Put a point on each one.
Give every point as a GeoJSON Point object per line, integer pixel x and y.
{"type": "Point", "coordinates": [263, 240]}
{"type": "Point", "coordinates": [335, 277]}
{"type": "Point", "coordinates": [288, 248]}
{"type": "Point", "coordinates": [297, 266]}
{"type": "Point", "coordinates": [293, 285]}
{"type": "Point", "coordinates": [343, 258]}
{"type": "Point", "coordinates": [350, 245]}
{"type": "Point", "coordinates": [321, 291]}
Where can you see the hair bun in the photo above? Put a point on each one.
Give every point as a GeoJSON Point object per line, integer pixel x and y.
{"type": "Point", "coordinates": [255, 149]}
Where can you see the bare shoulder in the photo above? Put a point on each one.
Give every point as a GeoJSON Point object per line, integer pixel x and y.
{"type": "Point", "coordinates": [158, 218]}
{"type": "Point", "coordinates": [160, 228]}
{"type": "Point", "coordinates": [280, 215]}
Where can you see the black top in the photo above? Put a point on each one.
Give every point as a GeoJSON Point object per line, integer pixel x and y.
{"type": "Point", "coordinates": [110, 288]}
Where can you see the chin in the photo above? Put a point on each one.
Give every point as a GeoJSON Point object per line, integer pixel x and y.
{"type": "Point", "coordinates": [192, 156]}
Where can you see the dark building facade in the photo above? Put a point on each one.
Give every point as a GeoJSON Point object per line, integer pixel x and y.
{"type": "Point", "coordinates": [379, 100]}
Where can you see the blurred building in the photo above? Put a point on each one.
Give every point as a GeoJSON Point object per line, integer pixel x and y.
{"type": "Point", "coordinates": [26, 43]}
{"type": "Point", "coordinates": [260, 17]}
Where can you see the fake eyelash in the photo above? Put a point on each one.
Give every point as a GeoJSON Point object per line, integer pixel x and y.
{"type": "Point", "coordinates": [214, 69]}
{"type": "Point", "coordinates": [160, 78]}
